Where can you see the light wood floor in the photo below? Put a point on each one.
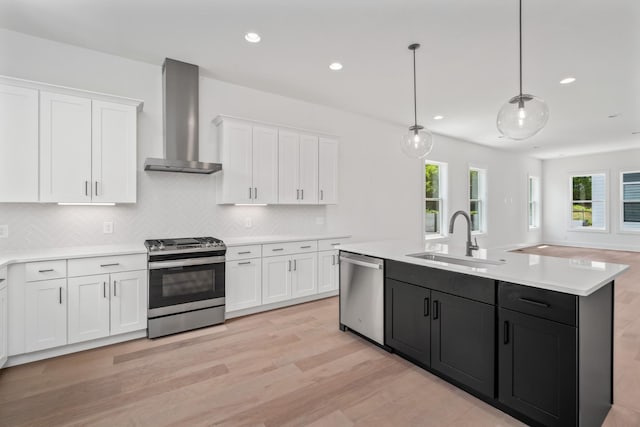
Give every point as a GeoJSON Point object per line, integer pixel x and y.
{"type": "Point", "coordinates": [287, 367]}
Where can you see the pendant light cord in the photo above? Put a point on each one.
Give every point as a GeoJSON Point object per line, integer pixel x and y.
{"type": "Point", "coordinates": [520, 31]}
{"type": "Point", "coordinates": [415, 102]}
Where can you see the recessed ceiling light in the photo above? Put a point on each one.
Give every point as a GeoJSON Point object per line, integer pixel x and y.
{"type": "Point", "coordinates": [438, 117]}
{"type": "Point", "coordinates": [252, 37]}
{"type": "Point", "coordinates": [567, 81]}
{"type": "Point", "coordinates": [335, 66]}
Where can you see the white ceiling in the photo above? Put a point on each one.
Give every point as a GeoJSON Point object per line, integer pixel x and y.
{"type": "Point", "coordinates": [467, 66]}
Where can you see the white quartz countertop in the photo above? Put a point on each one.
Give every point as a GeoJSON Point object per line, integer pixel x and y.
{"type": "Point", "coordinates": [31, 255]}
{"type": "Point", "coordinates": [259, 240]}
{"type": "Point", "coordinates": [574, 276]}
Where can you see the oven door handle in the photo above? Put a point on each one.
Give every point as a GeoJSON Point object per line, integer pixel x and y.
{"type": "Point", "coordinates": [156, 265]}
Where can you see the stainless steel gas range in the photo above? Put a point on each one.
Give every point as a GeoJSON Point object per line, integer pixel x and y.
{"type": "Point", "coordinates": [186, 284]}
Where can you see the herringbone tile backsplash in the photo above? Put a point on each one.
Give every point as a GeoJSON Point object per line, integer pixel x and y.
{"type": "Point", "coordinates": [169, 205]}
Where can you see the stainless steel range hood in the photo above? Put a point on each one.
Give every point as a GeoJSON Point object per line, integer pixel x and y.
{"type": "Point", "coordinates": [180, 87]}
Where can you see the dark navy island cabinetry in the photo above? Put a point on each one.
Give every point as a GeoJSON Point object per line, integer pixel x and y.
{"type": "Point", "coordinates": [542, 356]}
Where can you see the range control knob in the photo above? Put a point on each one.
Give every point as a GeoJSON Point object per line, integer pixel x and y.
{"type": "Point", "coordinates": [153, 248]}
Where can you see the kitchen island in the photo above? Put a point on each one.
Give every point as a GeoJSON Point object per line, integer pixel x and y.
{"type": "Point", "coordinates": [530, 335]}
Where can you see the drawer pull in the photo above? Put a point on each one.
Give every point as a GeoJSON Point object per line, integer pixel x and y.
{"type": "Point", "coordinates": [2, 280]}
{"type": "Point", "coordinates": [335, 244]}
{"type": "Point", "coordinates": [48, 270]}
{"type": "Point", "coordinates": [533, 302]}
{"type": "Point", "coordinates": [277, 249]}
{"type": "Point", "coordinates": [244, 263]}
{"type": "Point", "coordinates": [110, 265]}
{"type": "Point", "coordinates": [305, 247]}
{"type": "Point", "coordinates": [506, 332]}
{"type": "Point", "coordinates": [244, 252]}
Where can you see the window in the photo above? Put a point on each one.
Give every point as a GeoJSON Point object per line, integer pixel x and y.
{"type": "Point", "coordinates": [630, 206]}
{"type": "Point", "coordinates": [478, 199]}
{"type": "Point", "coordinates": [435, 176]}
{"type": "Point", "coordinates": [588, 201]}
{"type": "Point", "coordinates": [534, 202]}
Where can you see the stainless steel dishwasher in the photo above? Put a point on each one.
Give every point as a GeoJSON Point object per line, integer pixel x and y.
{"type": "Point", "coordinates": [362, 295]}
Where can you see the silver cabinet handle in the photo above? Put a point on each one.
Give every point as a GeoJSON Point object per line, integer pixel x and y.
{"type": "Point", "coordinates": [361, 263]}
{"type": "Point", "coordinates": [277, 249]}
{"type": "Point", "coordinates": [104, 289]}
{"type": "Point", "coordinates": [302, 194]}
{"type": "Point", "coordinates": [244, 263]}
{"type": "Point", "coordinates": [289, 265]}
{"type": "Point", "coordinates": [114, 288]}
{"type": "Point", "coordinates": [294, 265]}
{"type": "Point", "coordinates": [298, 194]}
{"type": "Point", "coordinates": [60, 294]}
{"type": "Point", "coordinates": [113, 264]}
{"type": "Point", "coordinates": [48, 270]}
{"type": "Point", "coordinates": [2, 280]}
{"type": "Point", "coordinates": [86, 188]}
{"type": "Point", "coordinates": [96, 188]}
{"type": "Point", "coordinates": [321, 195]}
{"type": "Point", "coordinates": [244, 252]}
{"type": "Point", "coordinates": [255, 193]}
{"type": "Point", "coordinates": [335, 244]}
{"type": "Point", "coordinates": [333, 260]}
{"type": "Point", "coordinates": [250, 193]}
{"type": "Point", "coordinates": [305, 247]}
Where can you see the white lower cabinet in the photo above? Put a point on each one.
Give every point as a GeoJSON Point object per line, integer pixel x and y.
{"type": "Point", "coordinates": [244, 284]}
{"type": "Point", "coordinates": [304, 275]}
{"type": "Point", "coordinates": [276, 279]}
{"type": "Point", "coordinates": [128, 301]}
{"type": "Point", "coordinates": [88, 307]}
{"type": "Point", "coordinates": [4, 317]}
{"type": "Point", "coordinates": [327, 271]}
{"type": "Point", "coordinates": [45, 314]}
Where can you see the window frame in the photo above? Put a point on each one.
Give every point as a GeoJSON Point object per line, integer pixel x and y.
{"type": "Point", "coordinates": [622, 228]}
{"type": "Point", "coordinates": [535, 201]}
{"type": "Point", "coordinates": [605, 200]}
{"type": "Point", "coordinates": [483, 183]}
{"type": "Point", "coordinates": [443, 199]}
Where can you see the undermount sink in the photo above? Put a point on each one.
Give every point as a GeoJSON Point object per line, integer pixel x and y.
{"type": "Point", "coordinates": [466, 261]}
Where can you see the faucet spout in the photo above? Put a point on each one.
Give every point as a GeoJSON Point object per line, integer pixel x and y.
{"type": "Point", "coordinates": [470, 245]}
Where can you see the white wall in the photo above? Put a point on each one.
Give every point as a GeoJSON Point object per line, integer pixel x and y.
{"type": "Point", "coordinates": [556, 199]}
{"type": "Point", "coordinates": [380, 189]}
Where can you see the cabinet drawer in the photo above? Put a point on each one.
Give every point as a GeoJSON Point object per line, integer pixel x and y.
{"type": "Point", "coordinates": [538, 302]}
{"type": "Point", "coordinates": [330, 244]}
{"type": "Point", "coordinates": [244, 252]}
{"type": "Point", "coordinates": [107, 264]}
{"type": "Point", "coordinates": [44, 270]}
{"type": "Point", "coordinates": [276, 249]}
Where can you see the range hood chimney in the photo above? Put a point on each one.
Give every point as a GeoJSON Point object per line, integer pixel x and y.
{"type": "Point", "coordinates": [180, 87]}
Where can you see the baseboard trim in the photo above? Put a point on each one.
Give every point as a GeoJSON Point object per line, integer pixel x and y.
{"type": "Point", "coordinates": [20, 359]}
{"type": "Point", "coordinates": [273, 306]}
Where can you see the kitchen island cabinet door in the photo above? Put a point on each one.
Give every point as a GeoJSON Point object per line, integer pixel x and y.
{"type": "Point", "coordinates": [463, 341]}
{"type": "Point", "coordinates": [407, 320]}
{"type": "Point", "coordinates": [128, 301]}
{"type": "Point", "coordinates": [538, 368]}
{"type": "Point", "coordinates": [88, 307]}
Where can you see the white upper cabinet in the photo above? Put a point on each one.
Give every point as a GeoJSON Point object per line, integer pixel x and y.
{"type": "Point", "coordinates": [249, 157]}
{"type": "Point", "coordinates": [327, 171]}
{"type": "Point", "coordinates": [113, 152]}
{"type": "Point", "coordinates": [65, 148]}
{"type": "Point", "coordinates": [298, 168]}
{"type": "Point", "coordinates": [18, 144]}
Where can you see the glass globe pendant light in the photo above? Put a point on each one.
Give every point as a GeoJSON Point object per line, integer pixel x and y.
{"type": "Point", "coordinates": [418, 142]}
{"type": "Point", "coordinates": [524, 115]}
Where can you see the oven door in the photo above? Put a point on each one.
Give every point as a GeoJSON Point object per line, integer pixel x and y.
{"type": "Point", "coordinates": [178, 286]}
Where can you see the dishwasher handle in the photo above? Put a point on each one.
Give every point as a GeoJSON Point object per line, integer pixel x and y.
{"type": "Point", "coordinates": [361, 263]}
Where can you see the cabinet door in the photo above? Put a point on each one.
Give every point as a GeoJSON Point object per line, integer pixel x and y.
{"type": "Point", "coordinates": [65, 148]}
{"type": "Point", "coordinates": [304, 278]}
{"type": "Point", "coordinates": [276, 279]}
{"type": "Point", "coordinates": [308, 169]}
{"type": "Point", "coordinates": [407, 321]}
{"type": "Point", "coordinates": [88, 307]}
{"type": "Point", "coordinates": [45, 314]}
{"type": "Point", "coordinates": [243, 284]}
{"type": "Point", "coordinates": [288, 167]}
{"type": "Point", "coordinates": [128, 301]}
{"type": "Point", "coordinates": [18, 144]}
{"type": "Point", "coordinates": [265, 165]}
{"type": "Point", "coordinates": [327, 271]}
{"type": "Point", "coordinates": [4, 317]}
{"type": "Point", "coordinates": [237, 160]}
{"type": "Point", "coordinates": [463, 341]}
{"type": "Point", "coordinates": [113, 152]}
{"type": "Point", "coordinates": [327, 171]}
{"type": "Point", "coordinates": [537, 368]}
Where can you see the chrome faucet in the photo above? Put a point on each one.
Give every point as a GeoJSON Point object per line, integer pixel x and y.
{"type": "Point", "coordinates": [470, 246]}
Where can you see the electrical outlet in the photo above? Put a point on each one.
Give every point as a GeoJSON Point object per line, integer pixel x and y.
{"type": "Point", "coordinates": [107, 227]}
{"type": "Point", "coordinates": [4, 231]}
{"type": "Point", "coordinates": [248, 223]}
